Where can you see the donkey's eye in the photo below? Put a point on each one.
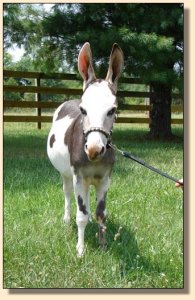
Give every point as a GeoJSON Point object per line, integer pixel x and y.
{"type": "Point", "coordinates": [83, 111]}
{"type": "Point", "coordinates": [111, 112]}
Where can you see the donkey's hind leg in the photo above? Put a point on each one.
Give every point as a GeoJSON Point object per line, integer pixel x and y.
{"type": "Point", "coordinates": [68, 189]}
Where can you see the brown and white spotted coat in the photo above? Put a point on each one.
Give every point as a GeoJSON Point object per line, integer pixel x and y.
{"type": "Point", "coordinates": [77, 142]}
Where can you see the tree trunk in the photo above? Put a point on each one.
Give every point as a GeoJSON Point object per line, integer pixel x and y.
{"type": "Point", "coordinates": [160, 122]}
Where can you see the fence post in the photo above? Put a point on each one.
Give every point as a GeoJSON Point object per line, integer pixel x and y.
{"type": "Point", "coordinates": [38, 99]}
{"type": "Point", "coordinates": [150, 103]}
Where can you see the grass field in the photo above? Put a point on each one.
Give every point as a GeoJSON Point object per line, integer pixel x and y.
{"type": "Point", "coordinates": [40, 251]}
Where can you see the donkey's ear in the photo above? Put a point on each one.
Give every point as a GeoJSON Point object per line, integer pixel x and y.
{"type": "Point", "coordinates": [115, 66]}
{"type": "Point", "coordinates": [85, 64]}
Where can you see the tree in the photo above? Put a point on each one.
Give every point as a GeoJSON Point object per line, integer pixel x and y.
{"type": "Point", "coordinates": [151, 36]}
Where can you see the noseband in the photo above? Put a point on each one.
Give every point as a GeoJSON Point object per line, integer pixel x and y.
{"type": "Point", "coordinates": [101, 130]}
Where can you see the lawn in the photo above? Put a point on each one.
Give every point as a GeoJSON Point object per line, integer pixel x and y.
{"type": "Point", "coordinates": [144, 226]}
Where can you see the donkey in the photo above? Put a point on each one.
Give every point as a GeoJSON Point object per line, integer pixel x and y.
{"type": "Point", "coordinates": [78, 142]}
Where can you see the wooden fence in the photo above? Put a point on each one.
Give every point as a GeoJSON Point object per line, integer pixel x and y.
{"type": "Point", "coordinates": [37, 89]}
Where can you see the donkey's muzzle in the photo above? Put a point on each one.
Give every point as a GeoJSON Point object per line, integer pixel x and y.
{"type": "Point", "coordinates": [94, 152]}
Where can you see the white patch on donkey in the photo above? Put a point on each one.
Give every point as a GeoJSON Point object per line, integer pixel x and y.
{"type": "Point", "coordinates": [78, 141]}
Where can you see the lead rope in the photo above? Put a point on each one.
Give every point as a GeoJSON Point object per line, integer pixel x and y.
{"type": "Point", "coordinates": [143, 163]}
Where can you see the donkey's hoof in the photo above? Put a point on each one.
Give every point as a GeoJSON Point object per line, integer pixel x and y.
{"type": "Point", "coordinates": [102, 237]}
{"type": "Point", "coordinates": [66, 219]}
{"type": "Point", "coordinates": [80, 251]}
{"type": "Point", "coordinates": [90, 219]}
{"type": "Point", "coordinates": [103, 244]}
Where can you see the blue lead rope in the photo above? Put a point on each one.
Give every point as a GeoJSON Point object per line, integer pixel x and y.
{"type": "Point", "coordinates": [143, 163]}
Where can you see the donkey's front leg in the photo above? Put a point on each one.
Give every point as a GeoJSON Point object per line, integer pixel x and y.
{"type": "Point", "coordinates": [101, 192]}
{"type": "Point", "coordinates": [82, 199]}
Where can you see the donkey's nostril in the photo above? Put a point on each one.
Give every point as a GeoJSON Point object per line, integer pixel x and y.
{"type": "Point", "coordinates": [85, 146]}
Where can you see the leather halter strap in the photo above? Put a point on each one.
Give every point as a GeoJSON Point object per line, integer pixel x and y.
{"type": "Point", "coordinates": [98, 129]}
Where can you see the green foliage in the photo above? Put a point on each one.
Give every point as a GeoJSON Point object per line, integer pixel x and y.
{"type": "Point", "coordinates": [7, 61]}
{"type": "Point", "coordinates": [10, 95]}
{"type": "Point", "coordinates": [151, 36]}
{"type": "Point", "coordinates": [147, 46]}
{"type": "Point", "coordinates": [12, 23]}
{"type": "Point", "coordinates": [24, 64]}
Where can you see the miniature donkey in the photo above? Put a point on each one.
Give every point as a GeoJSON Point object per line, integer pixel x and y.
{"type": "Point", "coordinates": [78, 142]}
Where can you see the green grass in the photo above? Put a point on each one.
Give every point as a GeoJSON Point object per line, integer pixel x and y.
{"type": "Point", "coordinates": [40, 251]}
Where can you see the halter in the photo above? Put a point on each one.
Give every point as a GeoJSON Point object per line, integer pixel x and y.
{"type": "Point", "coordinates": [101, 130]}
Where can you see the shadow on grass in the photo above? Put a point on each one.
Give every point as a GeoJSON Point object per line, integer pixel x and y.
{"type": "Point", "coordinates": [127, 135]}
{"type": "Point", "coordinates": [130, 135]}
{"type": "Point", "coordinates": [123, 245]}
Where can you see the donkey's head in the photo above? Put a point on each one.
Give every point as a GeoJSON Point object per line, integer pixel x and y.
{"type": "Point", "coordinates": [98, 105]}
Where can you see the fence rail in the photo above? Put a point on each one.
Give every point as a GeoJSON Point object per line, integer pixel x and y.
{"type": "Point", "coordinates": [38, 104]}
